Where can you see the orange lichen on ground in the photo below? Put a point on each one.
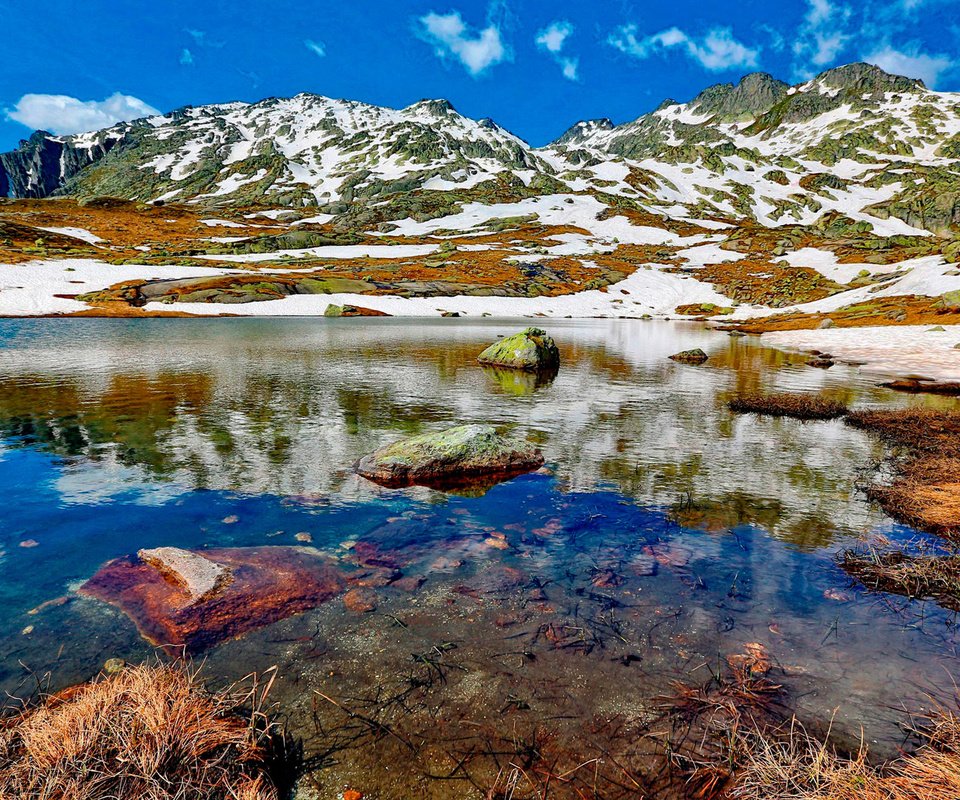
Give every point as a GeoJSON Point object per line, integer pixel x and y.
{"type": "Point", "coordinates": [883, 311]}
{"type": "Point", "coordinates": [144, 733]}
{"type": "Point", "coordinates": [122, 225]}
{"type": "Point", "coordinates": [457, 272]}
{"type": "Point", "coordinates": [759, 282]}
{"type": "Point", "coordinates": [648, 219]}
{"type": "Point", "coordinates": [269, 584]}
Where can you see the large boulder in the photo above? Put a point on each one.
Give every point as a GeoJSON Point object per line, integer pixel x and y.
{"type": "Point", "coordinates": [453, 456]}
{"type": "Point", "coordinates": [264, 585]}
{"type": "Point", "coordinates": [530, 350]}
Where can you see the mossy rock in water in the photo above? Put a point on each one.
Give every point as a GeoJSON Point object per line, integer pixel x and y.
{"type": "Point", "coordinates": [450, 458]}
{"type": "Point", "coordinates": [696, 356]}
{"type": "Point", "coordinates": [530, 350]}
{"type": "Point", "coordinates": [334, 310]}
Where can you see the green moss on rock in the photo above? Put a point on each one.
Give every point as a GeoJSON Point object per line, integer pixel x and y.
{"type": "Point", "coordinates": [450, 457]}
{"type": "Point", "coordinates": [531, 349]}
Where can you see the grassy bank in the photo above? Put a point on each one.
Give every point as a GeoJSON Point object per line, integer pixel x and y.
{"type": "Point", "coordinates": [145, 733]}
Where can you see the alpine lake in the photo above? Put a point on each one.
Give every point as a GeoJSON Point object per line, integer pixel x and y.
{"type": "Point", "coordinates": [538, 630]}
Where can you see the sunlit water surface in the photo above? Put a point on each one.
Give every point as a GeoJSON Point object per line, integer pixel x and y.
{"type": "Point", "coordinates": [663, 535]}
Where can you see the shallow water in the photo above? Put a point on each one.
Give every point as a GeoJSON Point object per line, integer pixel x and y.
{"type": "Point", "coordinates": [556, 609]}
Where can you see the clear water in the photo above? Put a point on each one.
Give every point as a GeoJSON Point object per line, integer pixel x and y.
{"type": "Point", "coordinates": [663, 535]}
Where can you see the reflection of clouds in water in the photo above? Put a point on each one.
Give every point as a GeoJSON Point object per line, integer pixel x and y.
{"type": "Point", "coordinates": [99, 482]}
{"type": "Point", "coordinates": [291, 405]}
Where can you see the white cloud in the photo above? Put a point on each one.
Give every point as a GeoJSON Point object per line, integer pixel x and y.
{"type": "Point", "coordinates": [451, 37]}
{"type": "Point", "coordinates": [553, 36]}
{"type": "Point", "coordinates": [913, 64]}
{"type": "Point", "coordinates": [61, 114]}
{"type": "Point", "coordinates": [716, 51]}
{"type": "Point", "coordinates": [821, 38]}
{"type": "Point", "coordinates": [186, 57]}
{"type": "Point", "coordinates": [570, 68]}
{"type": "Point", "coordinates": [319, 48]}
{"type": "Point", "coordinates": [552, 40]}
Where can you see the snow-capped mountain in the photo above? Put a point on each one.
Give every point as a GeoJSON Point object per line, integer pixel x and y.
{"type": "Point", "coordinates": [879, 149]}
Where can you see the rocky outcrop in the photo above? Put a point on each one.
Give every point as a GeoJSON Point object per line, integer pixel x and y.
{"type": "Point", "coordinates": [43, 163]}
{"type": "Point", "coordinates": [159, 591]}
{"type": "Point", "coordinates": [200, 577]}
{"type": "Point", "coordinates": [333, 310]}
{"type": "Point", "coordinates": [451, 457]}
{"type": "Point", "coordinates": [531, 350]}
{"type": "Point", "coordinates": [753, 95]}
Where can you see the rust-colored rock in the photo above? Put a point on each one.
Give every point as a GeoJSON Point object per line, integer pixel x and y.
{"type": "Point", "coordinates": [268, 584]}
{"type": "Point", "coordinates": [360, 600]}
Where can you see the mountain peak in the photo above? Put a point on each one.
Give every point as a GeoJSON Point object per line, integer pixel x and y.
{"type": "Point", "coordinates": [583, 130]}
{"type": "Point", "coordinates": [755, 94]}
{"type": "Point", "coordinates": [866, 78]}
{"type": "Point", "coordinates": [435, 108]}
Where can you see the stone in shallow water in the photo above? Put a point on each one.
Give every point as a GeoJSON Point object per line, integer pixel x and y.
{"type": "Point", "coordinates": [696, 356]}
{"type": "Point", "coordinates": [450, 457]}
{"type": "Point", "coordinates": [200, 577]}
{"type": "Point", "coordinates": [268, 584]}
{"type": "Point", "coordinates": [530, 350]}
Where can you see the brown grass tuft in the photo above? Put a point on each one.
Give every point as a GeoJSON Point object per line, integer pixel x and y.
{"type": "Point", "coordinates": [800, 406]}
{"type": "Point", "coordinates": [914, 576]}
{"type": "Point", "coordinates": [797, 766]}
{"type": "Point", "coordinates": [146, 733]}
{"type": "Point", "coordinates": [926, 490]}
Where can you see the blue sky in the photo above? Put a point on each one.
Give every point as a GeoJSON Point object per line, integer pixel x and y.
{"type": "Point", "coordinates": [535, 66]}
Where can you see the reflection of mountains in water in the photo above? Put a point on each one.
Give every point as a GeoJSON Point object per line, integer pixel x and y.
{"type": "Point", "coordinates": [287, 408]}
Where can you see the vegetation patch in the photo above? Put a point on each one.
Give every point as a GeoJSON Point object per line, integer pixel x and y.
{"type": "Point", "coordinates": [883, 311]}
{"type": "Point", "coordinates": [798, 766]}
{"type": "Point", "coordinates": [144, 733]}
{"type": "Point", "coordinates": [799, 406]}
{"type": "Point", "coordinates": [919, 577]}
{"type": "Point", "coordinates": [925, 491]}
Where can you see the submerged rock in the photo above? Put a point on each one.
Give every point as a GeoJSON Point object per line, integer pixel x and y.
{"type": "Point", "coordinates": [530, 350]}
{"type": "Point", "coordinates": [926, 385]}
{"type": "Point", "coordinates": [696, 356]}
{"type": "Point", "coordinates": [452, 456]}
{"type": "Point", "coordinates": [267, 584]}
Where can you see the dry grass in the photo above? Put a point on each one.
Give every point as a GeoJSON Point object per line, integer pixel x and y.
{"type": "Point", "coordinates": [918, 576]}
{"type": "Point", "coordinates": [926, 490]}
{"type": "Point", "coordinates": [146, 733]}
{"type": "Point", "coordinates": [799, 406]}
{"type": "Point", "coordinates": [797, 766]}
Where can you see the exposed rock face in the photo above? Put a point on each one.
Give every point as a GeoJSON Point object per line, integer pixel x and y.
{"type": "Point", "coordinates": [530, 350]}
{"type": "Point", "coordinates": [267, 584]}
{"type": "Point", "coordinates": [756, 93]}
{"type": "Point", "coordinates": [449, 457]}
{"type": "Point", "coordinates": [200, 577]}
{"type": "Point", "coordinates": [696, 356]}
{"type": "Point", "coordinates": [43, 163]}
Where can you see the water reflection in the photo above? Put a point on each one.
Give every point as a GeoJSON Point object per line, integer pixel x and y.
{"type": "Point", "coordinates": [666, 534]}
{"type": "Point", "coordinates": [285, 407]}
